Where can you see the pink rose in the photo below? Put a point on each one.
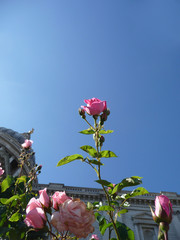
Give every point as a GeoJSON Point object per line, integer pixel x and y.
{"type": "Point", "coordinates": [33, 203]}
{"type": "Point", "coordinates": [163, 209]}
{"type": "Point", "coordinates": [56, 220]}
{"type": "Point", "coordinates": [59, 198]}
{"type": "Point", "coordinates": [74, 217]}
{"type": "Point", "coordinates": [94, 106]}
{"type": "Point", "coordinates": [44, 198]}
{"type": "Point", "coordinates": [1, 170]}
{"type": "Point", "coordinates": [94, 237]}
{"type": "Point", "coordinates": [35, 218]}
{"type": "Point", "coordinates": [27, 144]}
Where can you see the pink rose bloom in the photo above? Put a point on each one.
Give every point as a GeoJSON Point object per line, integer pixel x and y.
{"type": "Point", "coordinates": [163, 209]}
{"type": "Point", "coordinates": [94, 237]}
{"type": "Point", "coordinates": [59, 198]}
{"type": "Point", "coordinates": [94, 106]}
{"type": "Point", "coordinates": [33, 203]}
{"type": "Point", "coordinates": [27, 144]}
{"type": "Point", "coordinates": [74, 217]}
{"type": "Point", "coordinates": [35, 218]}
{"type": "Point", "coordinates": [1, 170]}
{"type": "Point", "coordinates": [44, 198]}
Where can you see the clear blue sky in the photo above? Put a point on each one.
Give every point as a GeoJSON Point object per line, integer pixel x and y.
{"type": "Point", "coordinates": [54, 54]}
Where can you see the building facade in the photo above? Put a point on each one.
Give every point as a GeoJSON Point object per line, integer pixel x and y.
{"type": "Point", "coordinates": [138, 218]}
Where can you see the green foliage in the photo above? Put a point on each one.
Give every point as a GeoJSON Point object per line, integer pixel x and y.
{"type": "Point", "coordinates": [6, 183]}
{"type": "Point", "coordinates": [95, 162]}
{"type": "Point", "coordinates": [137, 192]}
{"type": "Point", "coordinates": [102, 223]}
{"type": "Point", "coordinates": [124, 232]}
{"type": "Point", "coordinates": [92, 151]}
{"type": "Point", "coordinates": [104, 183]}
{"type": "Point", "coordinates": [106, 208]}
{"type": "Point", "coordinates": [107, 154]}
{"type": "Point", "coordinates": [105, 131]}
{"type": "Point", "coordinates": [15, 217]}
{"type": "Point", "coordinates": [127, 182]}
{"type": "Point", "coordinates": [87, 131]}
{"type": "Point", "coordinates": [13, 202]}
{"type": "Point", "coordinates": [69, 159]}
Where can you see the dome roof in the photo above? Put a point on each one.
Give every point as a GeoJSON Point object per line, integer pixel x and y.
{"type": "Point", "coordinates": [18, 136]}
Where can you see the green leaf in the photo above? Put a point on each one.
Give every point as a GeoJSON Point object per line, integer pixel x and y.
{"type": "Point", "coordinates": [21, 179]}
{"type": "Point", "coordinates": [107, 154]}
{"type": "Point", "coordinates": [15, 217]}
{"type": "Point", "coordinates": [137, 192]}
{"type": "Point", "coordinates": [88, 131]}
{"type": "Point", "coordinates": [101, 220]}
{"type": "Point", "coordinates": [6, 201]}
{"type": "Point", "coordinates": [122, 212]}
{"type": "Point", "coordinates": [69, 159]}
{"type": "Point", "coordinates": [95, 162]}
{"type": "Point", "coordinates": [125, 232]}
{"type": "Point", "coordinates": [105, 131]}
{"type": "Point", "coordinates": [92, 151]}
{"type": "Point", "coordinates": [106, 208]}
{"type": "Point", "coordinates": [104, 183]}
{"type": "Point", "coordinates": [90, 205]}
{"type": "Point", "coordinates": [127, 182]}
{"type": "Point", "coordinates": [6, 183]}
{"type": "Point", "coordinates": [105, 226]}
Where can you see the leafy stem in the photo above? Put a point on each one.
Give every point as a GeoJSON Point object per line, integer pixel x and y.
{"type": "Point", "coordinates": [97, 129]}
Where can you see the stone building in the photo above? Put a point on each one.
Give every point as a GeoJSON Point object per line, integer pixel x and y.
{"type": "Point", "coordinates": [138, 218]}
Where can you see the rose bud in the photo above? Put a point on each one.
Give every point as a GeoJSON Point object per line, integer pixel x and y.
{"type": "Point", "coordinates": [44, 198]}
{"type": "Point", "coordinates": [39, 167]}
{"type": "Point", "coordinates": [27, 144]}
{"type": "Point", "coordinates": [94, 237]}
{"type": "Point", "coordinates": [82, 113]}
{"type": "Point", "coordinates": [101, 140]}
{"type": "Point", "coordinates": [163, 209]}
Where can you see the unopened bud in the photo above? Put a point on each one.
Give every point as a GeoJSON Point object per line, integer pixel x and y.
{"type": "Point", "coordinates": [82, 113]}
{"type": "Point", "coordinates": [107, 111]}
{"type": "Point", "coordinates": [102, 139]}
{"type": "Point", "coordinates": [39, 167]}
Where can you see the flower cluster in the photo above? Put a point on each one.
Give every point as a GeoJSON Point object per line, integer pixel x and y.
{"type": "Point", "coordinates": [69, 215]}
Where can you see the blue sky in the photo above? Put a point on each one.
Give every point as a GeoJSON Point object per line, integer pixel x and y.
{"type": "Point", "coordinates": [54, 54]}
